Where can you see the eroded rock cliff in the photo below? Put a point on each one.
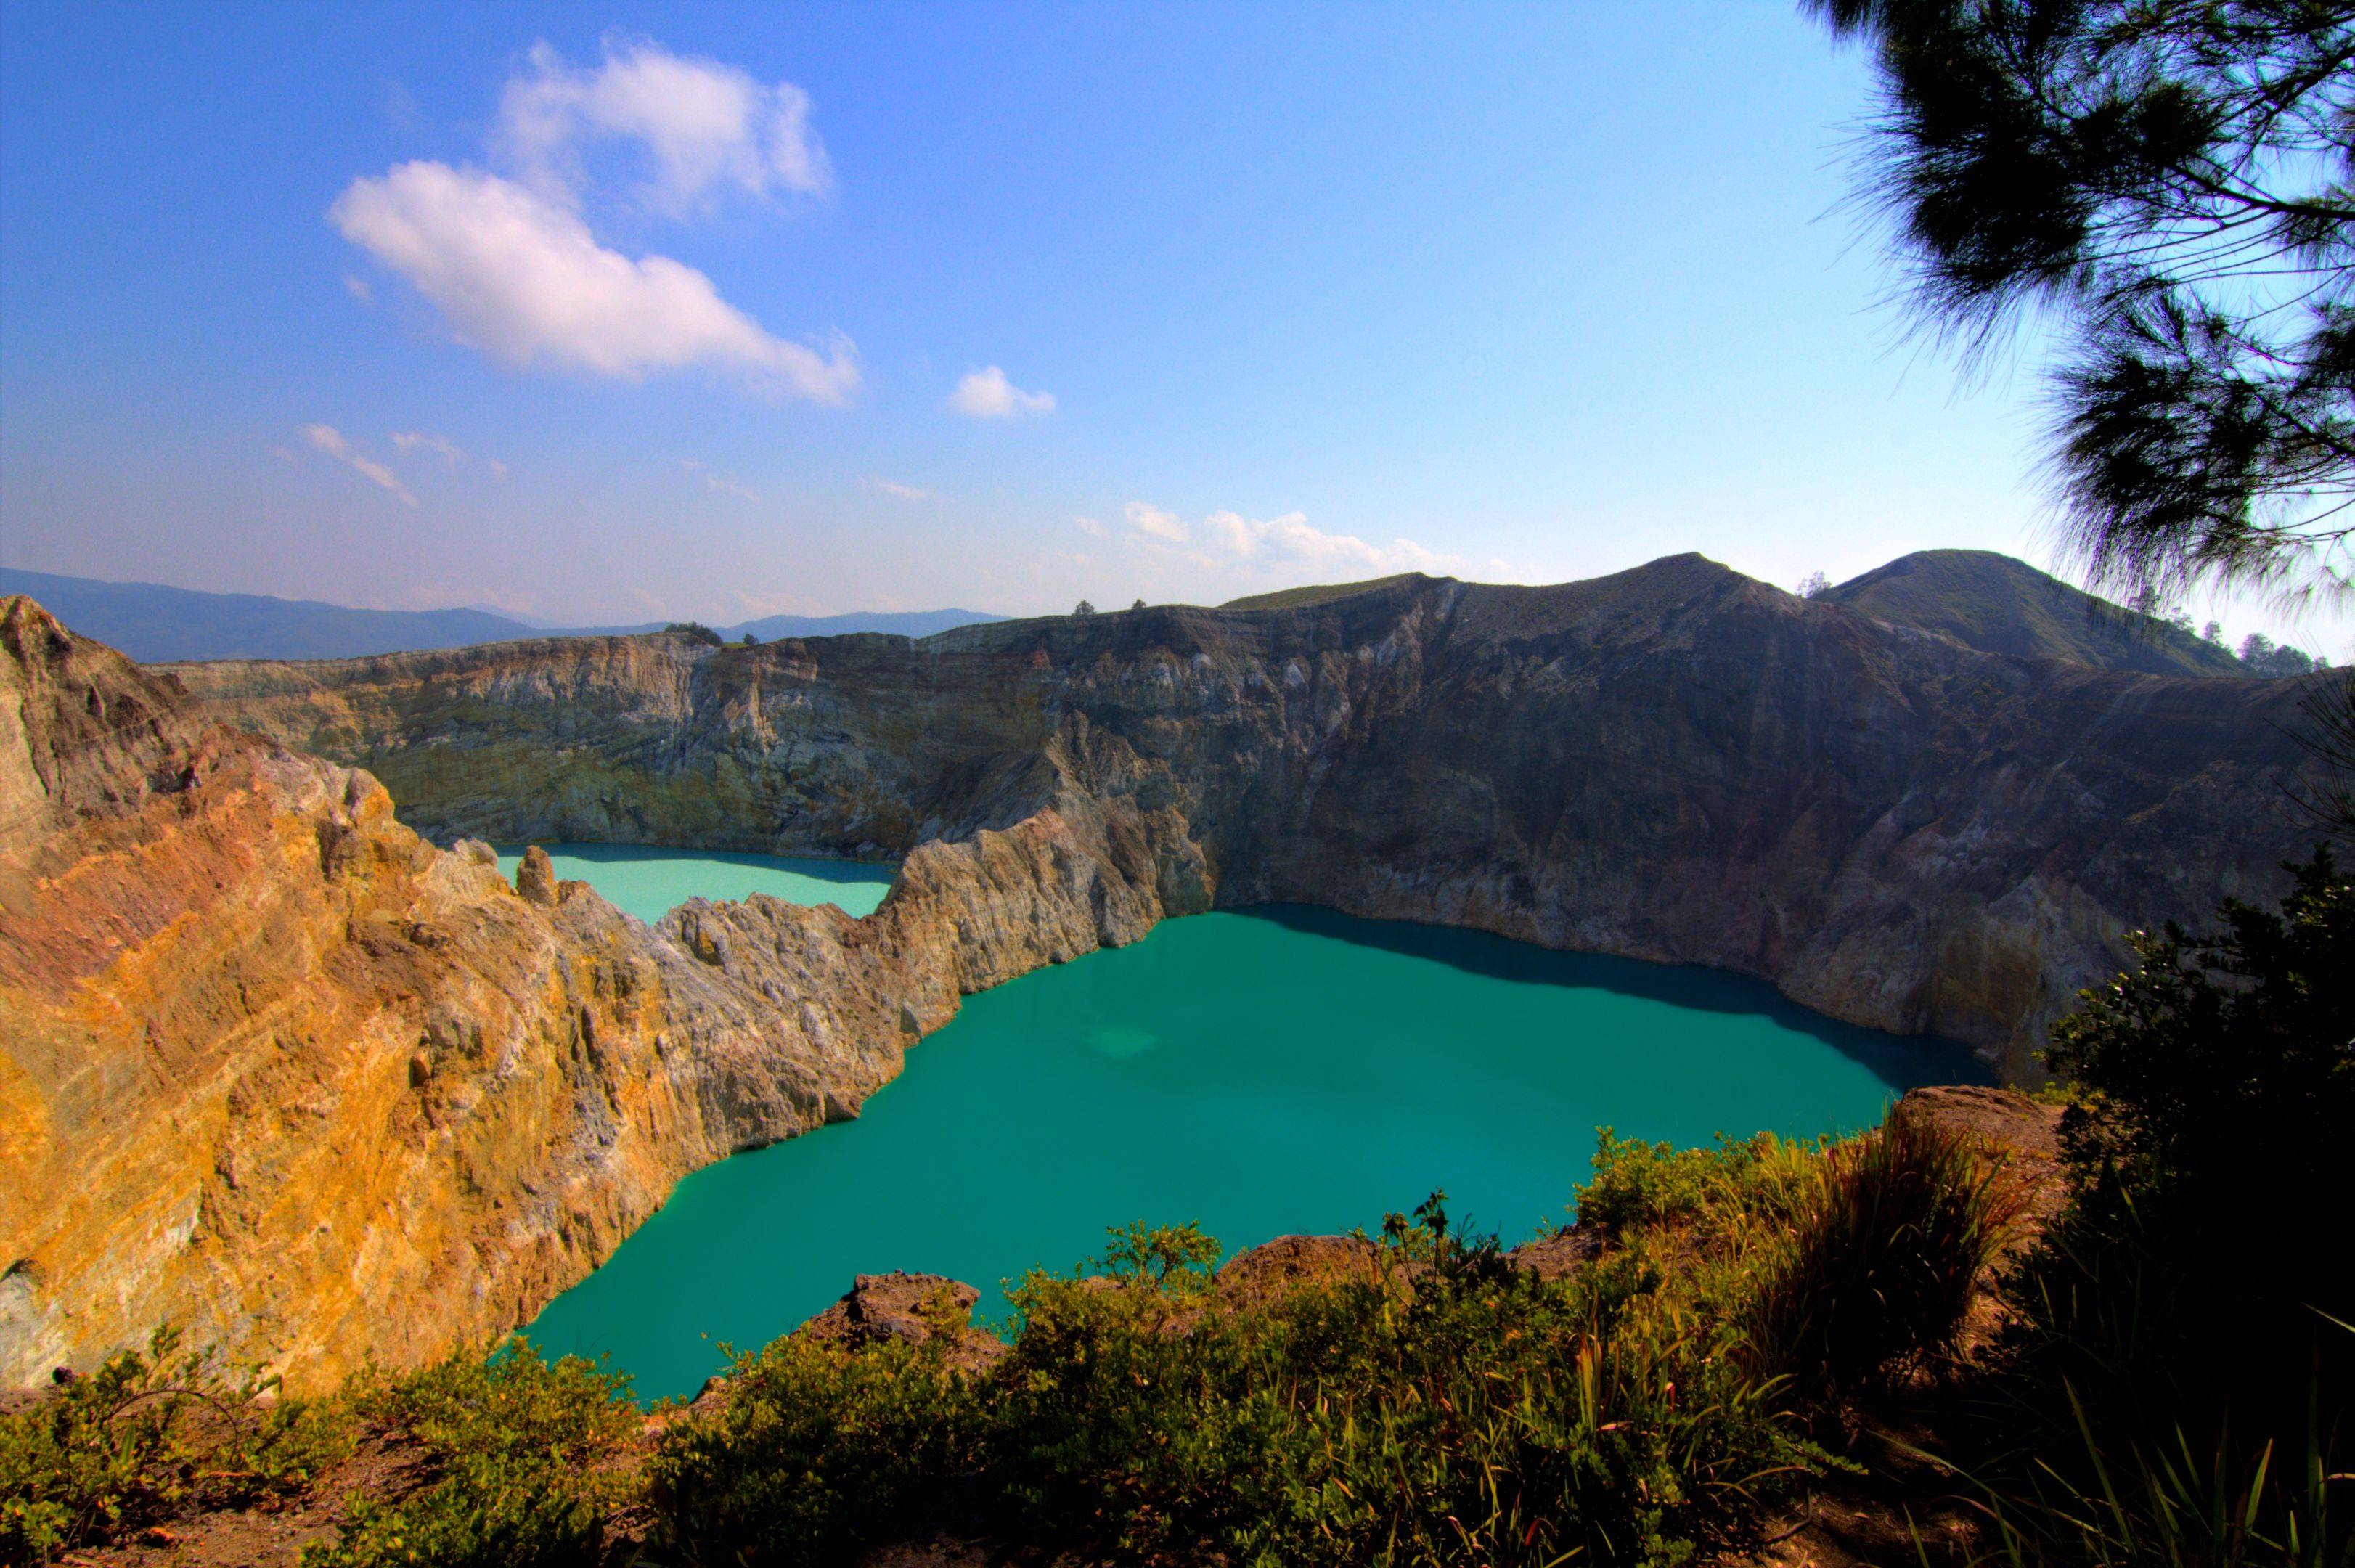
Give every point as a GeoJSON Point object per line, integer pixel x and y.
{"type": "Point", "coordinates": [280, 1071]}
{"type": "Point", "coordinates": [1673, 763]}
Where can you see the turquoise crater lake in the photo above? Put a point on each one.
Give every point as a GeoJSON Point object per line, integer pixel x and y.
{"type": "Point", "coordinates": [1263, 1072]}
{"type": "Point", "coordinates": [650, 882]}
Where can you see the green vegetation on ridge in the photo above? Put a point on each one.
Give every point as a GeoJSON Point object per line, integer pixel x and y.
{"type": "Point", "coordinates": [1316, 593]}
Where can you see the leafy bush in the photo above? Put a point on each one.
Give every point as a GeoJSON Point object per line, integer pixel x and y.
{"type": "Point", "coordinates": [2210, 1153]}
{"type": "Point", "coordinates": [146, 1436]}
{"type": "Point", "coordinates": [524, 1453]}
{"type": "Point", "coordinates": [2176, 1380]}
{"type": "Point", "coordinates": [1463, 1410]}
{"type": "Point", "coordinates": [698, 630]}
{"type": "Point", "coordinates": [1440, 1406]}
{"type": "Point", "coordinates": [818, 1450]}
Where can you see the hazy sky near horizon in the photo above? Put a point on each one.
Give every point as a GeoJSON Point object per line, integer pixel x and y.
{"type": "Point", "coordinates": [598, 314]}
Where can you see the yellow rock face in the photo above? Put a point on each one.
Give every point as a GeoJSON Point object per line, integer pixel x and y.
{"type": "Point", "coordinates": [278, 1071]}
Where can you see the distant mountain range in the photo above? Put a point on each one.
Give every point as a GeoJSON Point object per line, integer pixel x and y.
{"type": "Point", "coordinates": [898, 622]}
{"type": "Point", "coordinates": [156, 625]}
{"type": "Point", "coordinates": [1992, 603]}
{"type": "Point", "coordinates": [1979, 598]}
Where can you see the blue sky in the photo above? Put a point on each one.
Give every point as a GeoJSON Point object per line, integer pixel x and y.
{"type": "Point", "coordinates": [717, 311]}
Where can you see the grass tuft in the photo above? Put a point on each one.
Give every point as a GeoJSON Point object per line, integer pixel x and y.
{"type": "Point", "coordinates": [1877, 1265]}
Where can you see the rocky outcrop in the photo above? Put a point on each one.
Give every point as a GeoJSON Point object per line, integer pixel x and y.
{"type": "Point", "coordinates": [277, 1069]}
{"type": "Point", "coordinates": [909, 1309]}
{"type": "Point", "coordinates": [1676, 764]}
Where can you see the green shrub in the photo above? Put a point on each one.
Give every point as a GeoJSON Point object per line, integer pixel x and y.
{"type": "Point", "coordinates": [1637, 1184]}
{"type": "Point", "coordinates": [525, 1464]}
{"type": "Point", "coordinates": [1463, 1410]}
{"type": "Point", "coordinates": [147, 1436]}
{"type": "Point", "coordinates": [1880, 1256]}
{"type": "Point", "coordinates": [2177, 1372]}
{"type": "Point", "coordinates": [1109, 1420]}
{"type": "Point", "coordinates": [1439, 1407]}
{"type": "Point", "coordinates": [1443, 1406]}
{"type": "Point", "coordinates": [2213, 1158]}
{"type": "Point", "coordinates": [818, 1450]}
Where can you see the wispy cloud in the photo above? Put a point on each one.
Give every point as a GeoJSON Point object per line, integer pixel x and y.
{"type": "Point", "coordinates": [521, 280]}
{"type": "Point", "coordinates": [987, 394]}
{"type": "Point", "coordinates": [720, 484]}
{"type": "Point", "coordinates": [1291, 539]}
{"type": "Point", "coordinates": [1155, 523]}
{"type": "Point", "coordinates": [409, 441]}
{"type": "Point", "coordinates": [1230, 542]}
{"type": "Point", "coordinates": [327, 439]}
{"type": "Point", "coordinates": [1090, 527]}
{"type": "Point", "coordinates": [358, 287]}
{"type": "Point", "coordinates": [905, 492]}
{"type": "Point", "coordinates": [702, 123]}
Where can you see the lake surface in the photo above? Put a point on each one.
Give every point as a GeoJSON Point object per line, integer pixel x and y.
{"type": "Point", "coordinates": [651, 883]}
{"type": "Point", "coordinates": [1286, 1070]}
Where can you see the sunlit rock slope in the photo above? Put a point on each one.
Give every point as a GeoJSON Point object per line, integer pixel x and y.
{"type": "Point", "coordinates": [277, 1069]}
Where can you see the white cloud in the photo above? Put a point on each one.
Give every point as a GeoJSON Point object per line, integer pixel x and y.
{"type": "Point", "coordinates": [1089, 526]}
{"type": "Point", "coordinates": [905, 492]}
{"type": "Point", "coordinates": [987, 394]}
{"type": "Point", "coordinates": [358, 288]}
{"type": "Point", "coordinates": [1155, 522]}
{"type": "Point", "coordinates": [702, 123]}
{"type": "Point", "coordinates": [1290, 539]}
{"type": "Point", "coordinates": [408, 441]}
{"type": "Point", "coordinates": [327, 439]}
{"type": "Point", "coordinates": [1229, 540]}
{"type": "Point", "coordinates": [521, 280]}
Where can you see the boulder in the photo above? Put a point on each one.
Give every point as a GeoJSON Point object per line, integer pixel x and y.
{"type": "Point", "coordinates": [1261, 1273]}
{"type": "Point", "coordinates": [1558, 1255]}
{"type": "Point", "coordinates": [536, 879]}
{"type": "Point", "coordinates": [913, 1308]}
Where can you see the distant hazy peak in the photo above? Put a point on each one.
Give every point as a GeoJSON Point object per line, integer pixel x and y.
{"type": "Point", "coordinates": [158, 625]}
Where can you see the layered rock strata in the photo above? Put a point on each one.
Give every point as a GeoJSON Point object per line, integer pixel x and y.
{"type": "Point", "coordinates": [277, 1069]}
{"type": "Point", "coordinates": [1676, 764]}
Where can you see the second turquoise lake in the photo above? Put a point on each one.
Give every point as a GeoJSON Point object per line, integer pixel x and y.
{"type": "Point", "coordinates": [650, 882]}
